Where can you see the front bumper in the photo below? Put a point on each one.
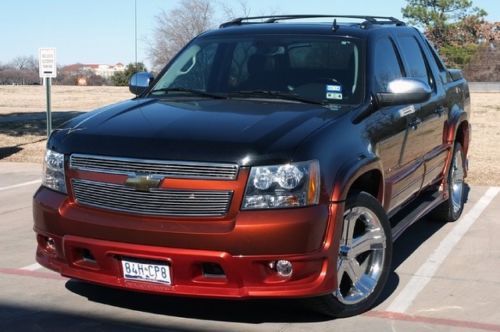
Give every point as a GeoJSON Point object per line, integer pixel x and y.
{"type": "Point", "coordinates": [302, 236]}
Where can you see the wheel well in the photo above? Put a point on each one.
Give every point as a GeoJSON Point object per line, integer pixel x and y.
{"type": "Point", "coordinates": [462, 135]}
{"type": "Point", "coordinates": [370, 182]}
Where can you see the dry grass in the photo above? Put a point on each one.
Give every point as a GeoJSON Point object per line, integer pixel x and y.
{"type": "Point", "coordinates": [484, 155]}
{"type": "Point", "coordinates": [25, 141]}
{"type": "Point", "coordinates": [22, 99]}
{"type": "Point", "coordinates": [28, 148]}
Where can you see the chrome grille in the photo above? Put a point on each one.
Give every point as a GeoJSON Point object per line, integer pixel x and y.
{"type": "Point", "coordinates": [156, 202]}
{"type": "Point", "coordinates": [171, 169]}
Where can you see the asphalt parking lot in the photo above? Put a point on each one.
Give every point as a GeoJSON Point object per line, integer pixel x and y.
{"type": "Point", "coordinates": [447, 277]}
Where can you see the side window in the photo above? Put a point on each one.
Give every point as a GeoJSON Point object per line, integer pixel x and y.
{"type": "Point", "coordinates": [436, 58]}
{"type": "Point", "coordinates": [387, 67]}
{"type": "Point", "coordinates": [417, 67]}
{"type": "Point", "coordinates": [443, 73]}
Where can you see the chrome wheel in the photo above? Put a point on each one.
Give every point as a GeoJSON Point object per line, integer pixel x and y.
{"type": "Point", "coordinates": [361, 255]}
{"type": "Point", "coordinates": [457, 181]}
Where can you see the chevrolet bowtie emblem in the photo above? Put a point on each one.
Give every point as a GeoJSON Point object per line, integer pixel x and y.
{"type": "Point", "coordinates": [143, 182]}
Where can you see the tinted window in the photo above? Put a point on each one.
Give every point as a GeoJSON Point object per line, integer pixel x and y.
{"type": "Point", "coordinates": [326, 70]}
{"type": "Point", "coordinates": [195, 72]}
{"type": "Point", "coordinates": [387, 67]}
{"type": "Point", "coordinates": [437, 60]}
{"type": "Point", "coordinates": [239, 66]}
{"type": "Point", "coordinates": [322, 55]}
{"type": "Point", "coordinates": [414, 59]}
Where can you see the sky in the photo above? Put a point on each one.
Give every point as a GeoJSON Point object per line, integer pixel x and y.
{"type": "Point", "coordinates": [102, 31]}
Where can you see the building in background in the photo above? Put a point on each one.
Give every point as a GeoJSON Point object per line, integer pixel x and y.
{"type": "Point", "coordinates": [103, 70]}
{"type": "Point", "coordinates": [89, 74]}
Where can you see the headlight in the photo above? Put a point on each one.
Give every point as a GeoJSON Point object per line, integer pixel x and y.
{"type": "Point", "coordinates": [53, 171]}
{"type": "Point", "coordinates": [282, 186]}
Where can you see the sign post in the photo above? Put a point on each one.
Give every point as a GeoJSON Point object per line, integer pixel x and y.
{"type": "Point", "coordinates": [48, 70]}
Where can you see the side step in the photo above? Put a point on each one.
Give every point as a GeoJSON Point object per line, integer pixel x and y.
{"type": "Point", "coordinates": [414, 211]}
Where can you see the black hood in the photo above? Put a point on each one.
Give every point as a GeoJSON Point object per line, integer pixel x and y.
{"type": "Point", "coordinates": [201, 130]}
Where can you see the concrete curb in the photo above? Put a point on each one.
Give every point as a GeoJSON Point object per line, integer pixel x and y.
{"type": "Point", "coordinates": [484, 87]}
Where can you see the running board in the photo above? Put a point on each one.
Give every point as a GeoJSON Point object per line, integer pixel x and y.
{"type": "Point", "coordinates": [414, 211]}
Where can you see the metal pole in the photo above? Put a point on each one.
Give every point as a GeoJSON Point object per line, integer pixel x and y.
{"type": "Point", "coordinates": [48, 82]}
{"type": "Point", "coordinates": [135, 13]}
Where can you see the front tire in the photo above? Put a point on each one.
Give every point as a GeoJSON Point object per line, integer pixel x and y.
{"type": "Point", "coordinates": [364, 258]}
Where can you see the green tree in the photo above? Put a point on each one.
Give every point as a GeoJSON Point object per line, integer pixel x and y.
{"type": "Point", "coordinates": [121, 78]}
{"type": "Point", "coordinates": [455, 27]}
{"type": "Point", "coordinates": [440, 17]}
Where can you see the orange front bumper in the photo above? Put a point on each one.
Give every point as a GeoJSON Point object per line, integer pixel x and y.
{"type": "Point", "coordinates": [303, 236]}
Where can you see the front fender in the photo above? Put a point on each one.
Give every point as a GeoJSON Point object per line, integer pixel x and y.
{"type": "Point", "coordinates": [350, 172]}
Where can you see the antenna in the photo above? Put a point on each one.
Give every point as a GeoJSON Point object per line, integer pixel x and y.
{"type": "Point", "coordinates": [335, 26]}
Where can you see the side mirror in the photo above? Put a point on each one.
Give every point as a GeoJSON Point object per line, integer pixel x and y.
{"type": "Point", "coordinates": [404, 91]}
{"type": "Point", "coordinates": [139, 82]}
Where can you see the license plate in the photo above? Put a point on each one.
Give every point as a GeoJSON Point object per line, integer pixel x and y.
{"type": "Point", "coordinates": [144, 271]}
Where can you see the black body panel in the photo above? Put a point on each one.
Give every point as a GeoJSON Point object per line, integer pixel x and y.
{"type": "Point", "coordinates": [195, 130]}
{"type": "Point", "coordinates": [409, 151]}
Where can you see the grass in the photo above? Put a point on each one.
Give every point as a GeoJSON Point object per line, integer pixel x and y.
{"type": "Point", "coordinates": [24, 141]}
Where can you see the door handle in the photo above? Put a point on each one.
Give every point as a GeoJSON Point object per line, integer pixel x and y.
{"type": "Point", "coordinates": [415, 123]}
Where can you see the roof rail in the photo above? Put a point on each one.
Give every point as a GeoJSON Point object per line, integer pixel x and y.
{"type": "Point", "coordinates": [368, 20]}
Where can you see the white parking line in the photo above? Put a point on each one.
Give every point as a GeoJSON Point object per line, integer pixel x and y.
{"type": "Point", "coordinates": [20, 185]}
{"type": "Point", "coordinates": [425, 273]}
{"type": "Point", "coordinates": [32, 267]}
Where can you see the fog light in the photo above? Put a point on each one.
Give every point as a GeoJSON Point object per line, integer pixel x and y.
{"type": "Point", "coordinates": [284, 268]}
{"type": "Point", "coordinates": [46, 243]}
{"type": "Point", "coordinates": [51, 244]}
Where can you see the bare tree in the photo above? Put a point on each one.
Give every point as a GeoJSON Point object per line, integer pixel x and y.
{"type": "Point", "coordinates": [25, 63]}
{"type": "Point", "coordinates": [177, 27]}
{"type": "Point", "coordinates": [240, 8]}
{"type": "Point", "coordinates": [21, 70]}
{"type": "Point", "coordinates": [229, 12]}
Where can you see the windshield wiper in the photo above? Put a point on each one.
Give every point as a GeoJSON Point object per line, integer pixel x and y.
{"type": "Point", "coordinates": [191, 91]}
{"type": "Point", "coordinates": [277, 95]}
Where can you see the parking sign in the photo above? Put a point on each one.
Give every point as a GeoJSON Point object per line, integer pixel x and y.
{"type": "Point", "coordinates": [47, 62]}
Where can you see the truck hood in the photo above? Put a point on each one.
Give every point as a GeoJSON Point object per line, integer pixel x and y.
{"type": "Point", "coordinates": [201, 130]}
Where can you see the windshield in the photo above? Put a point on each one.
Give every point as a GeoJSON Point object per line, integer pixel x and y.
{"type": "Point", "coordinates": [324, 70]}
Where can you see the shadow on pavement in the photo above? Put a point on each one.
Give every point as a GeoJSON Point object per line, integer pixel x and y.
{"type": "Point", "coordinates": [254, 311]}
{"type": "Point", "coordinates": [32, 123]}
{"type": "Point", "coordinates": [9, 151]}
{"type": "Point", "coordinates": [409, 242]}
{"type": "Point", "coordinates": [22, 318]}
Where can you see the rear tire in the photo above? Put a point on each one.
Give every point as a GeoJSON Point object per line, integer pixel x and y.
{"type": "Point", "coordinates": [363, 259]}
{"type": "Point", "coordinates": [452, 209]}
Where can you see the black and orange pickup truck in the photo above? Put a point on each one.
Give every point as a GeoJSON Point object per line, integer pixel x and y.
{"type": "Point", "coordinates": [274, 157]}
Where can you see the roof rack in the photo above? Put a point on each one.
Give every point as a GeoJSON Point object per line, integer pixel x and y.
{"type": "Point", "coordinates": [368, 20]}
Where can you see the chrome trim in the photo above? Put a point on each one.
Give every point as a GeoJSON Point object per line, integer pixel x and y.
{"type": "Point", "coordinates": [457, 181]}
{"type": "Point", "coordinates": [164, 168]}
{"type": "Point", "coordinates": [156, 202]}
{"type": "Point", "coordinates": [361, 257]}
